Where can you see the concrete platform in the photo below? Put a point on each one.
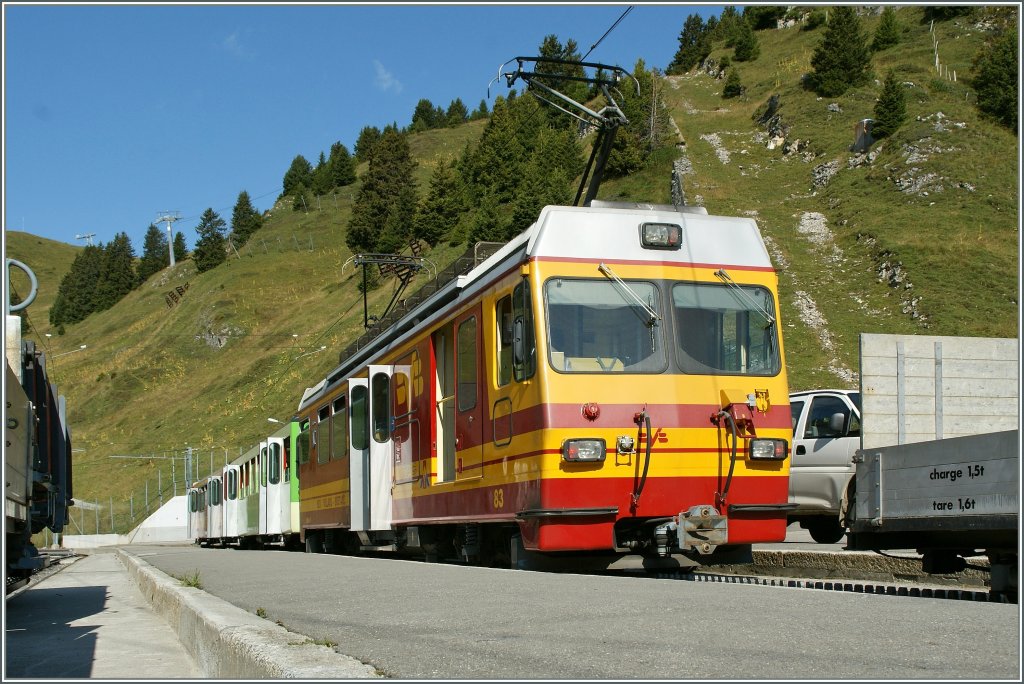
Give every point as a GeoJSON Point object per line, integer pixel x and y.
{"type": "Point", "coordinates": [89, 621]}
{"type": "Point", "coordinates": [110, 615]}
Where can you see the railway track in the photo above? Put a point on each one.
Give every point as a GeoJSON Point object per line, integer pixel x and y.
{"type": "Point", "coordinates": [840, 585]}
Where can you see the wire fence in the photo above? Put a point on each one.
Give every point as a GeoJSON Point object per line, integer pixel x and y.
{"type": "Point", "coordinates": [123, 512]}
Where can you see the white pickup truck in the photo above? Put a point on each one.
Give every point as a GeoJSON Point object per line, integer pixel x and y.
{"type": "Point", "coordinates": [826, 436]}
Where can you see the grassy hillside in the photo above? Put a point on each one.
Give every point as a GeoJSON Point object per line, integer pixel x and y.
{"type": "Point", "coordinates": [49, 260]}
{"type": "Point", "coordinates": [921, 239]}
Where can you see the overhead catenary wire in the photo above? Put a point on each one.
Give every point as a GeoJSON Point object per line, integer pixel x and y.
{"type": "Point", "coordinates": [612, 28]}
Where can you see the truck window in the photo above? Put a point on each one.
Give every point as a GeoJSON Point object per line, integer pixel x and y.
{"type": "Point", "coordinates": [796, 408]}
{"type": "Point", "coordinates": [820, 417]}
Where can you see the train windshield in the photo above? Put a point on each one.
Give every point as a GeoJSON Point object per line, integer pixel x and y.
{"type": "Point", "coordinates": [599, 326]}
{"type": "Point", "coordinates": [724, 330]}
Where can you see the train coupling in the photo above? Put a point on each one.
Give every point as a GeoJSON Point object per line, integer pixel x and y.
{"type": "Point", "coordinates": [701, 528]}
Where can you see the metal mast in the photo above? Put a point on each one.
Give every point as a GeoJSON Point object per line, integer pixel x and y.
{"type": "Point", "coordinates": [169, 218]}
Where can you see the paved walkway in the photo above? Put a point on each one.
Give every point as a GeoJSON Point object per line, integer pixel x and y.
{"type": "Point", "coordinates": [90, 621]}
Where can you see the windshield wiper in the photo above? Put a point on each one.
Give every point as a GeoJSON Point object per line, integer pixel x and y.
{"type": "Point", "coordinates": [652, 315]}
{"type": "Point", "coordinates": [721, 273]}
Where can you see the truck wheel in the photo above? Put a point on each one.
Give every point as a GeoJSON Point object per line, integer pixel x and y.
{"type": "Point", "coordinates": [826, 531]}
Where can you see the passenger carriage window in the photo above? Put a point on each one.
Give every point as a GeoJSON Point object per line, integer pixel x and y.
{"type": "Point", "coordinates": [274, 463]}
{"type": "Point", "coordinates": [466, 364]}
{"type": "Point", "coordinates": [724, 329]}
{"type": "Point", "coordinates": [263, 467]}
{"type": "Point", "coordinates": [339, 429]}
{"type": "Point", "coordinates": [360, 419]}
{"type": "Point", "coordinates": [323, 434]}
{"type": "Point", "coordinates": [524, 346]}
{"type": "Point", "coordinates": [604, 326]}
{"type": "Point", "coordinates": [232, 485]}
{"type": "Point", "coordinates": [503, 338]}
{"type": "Point", "coordinates": [380, 388]}
{"type": "Point", "coordinates": [302, 443]}
{"type": "Point", "coordinates": [218, 491]}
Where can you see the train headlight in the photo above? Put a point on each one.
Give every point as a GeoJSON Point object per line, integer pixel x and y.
{"type": "Point", "coordinates": [583, 450]}
{"type": "Point", "coordinates": [768, 449]}
{"type": "Point", "coordinates": [661, 236]}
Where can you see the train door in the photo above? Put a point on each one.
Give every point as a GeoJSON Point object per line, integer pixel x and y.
{"type": "Point", "coordinates": [382, 448]}
{"type": "Point", "coordinates": [405, 434]}
{"type": "Point", "coordinates": [359, 453]}
{"type": "Point", "coordinates": [469, 426]}
{"type": "Point", "coordinates": [261, 469]}
{"type": "Point", "coordinates": [444, 401]}
{"type": "Point", "coordinates": [278, 501]}
{"type": "Point", "coordinates": [215, 519]}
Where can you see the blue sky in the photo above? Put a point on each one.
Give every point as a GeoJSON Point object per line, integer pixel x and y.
{"type": "Point", "coordinates": [114, 113]}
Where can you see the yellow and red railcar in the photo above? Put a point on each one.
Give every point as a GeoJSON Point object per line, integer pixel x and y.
{"type": "Point", "coordinates": [606, 389]}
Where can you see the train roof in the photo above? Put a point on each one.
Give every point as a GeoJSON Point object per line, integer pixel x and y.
{"type": "Point", "coordinates": [587, 233]}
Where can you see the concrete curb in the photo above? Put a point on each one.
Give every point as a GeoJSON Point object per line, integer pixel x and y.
{"type": "Point", "coordinates": [228, 643]}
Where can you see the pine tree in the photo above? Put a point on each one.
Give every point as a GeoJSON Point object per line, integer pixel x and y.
{"type": "Point", "coordinates": [555, 162]}
{"type": "Point", "coordinates": [209, 252]}
{"type": "Point", "coordinates": [995, 79]}
{"type": "Point", "coordinates": [299, 173]}
{"type": "Point", "coordinates": [761, 17]}
{"type": "Point", "coordinates": [302, 199]}
{"type": "Point", "coordinates": [76, 295]}
{"type": "Point", "coordinates": [888, 32]}
{"type": "Point", "coordinates": [488, 224]}
{"type": "Point", "coordinates": [728, 26]}
{"type": "Point", "coordinates": [117, 272]}
{"type": "Point", "coordinates": [747, 46]}
{"type": "Point", "coordinates": [891, 108]}
{"type": "Point", "coordinates": [733, 86]}
{"type": "Point", "coordinates": [646, 132]}
{"type": "Point", "coordinates": [180, 248]}
{"type": "Point", "coordinates": [480, 112]}
{"type": "Point", "coordinates": [440, 209]}
{"type": "Point", "coordinates": [552, 48]}
{"type": "Point", "coordinates": [423, 117]}
{"type": "Point", "coordinates": [155, 255]}
{"type": "Point", "coordinates": [385, 203]}
{"type": "Point", "coordinates": [694, 46]}
{"type": "Point", "coordinates": [842, 60]}
{"type": "Point", "coordinates": [505, 145]}
{"type": "Point", "coordinates": [365, 143]}
{"type": "Point", "coordinates": [321, 177]}
{"type": "Point", "coordinates": [245, 220]}
{"type": "Point", "coordinates": [343, 166]}
{"type": "Point", "coordinates": [456, 114]}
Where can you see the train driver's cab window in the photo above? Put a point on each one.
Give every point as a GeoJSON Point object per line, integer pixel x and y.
{"type": "Point", "coordinates": [302, 443]}
{"type": "Point", "coordinates": [725, 329]}
{"type": "Point", "coordinates": [503, 335]}
{"type": "Point", "coordinates": [604, 326]}
{"type": "Point", "coordinates": [524, 347]}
